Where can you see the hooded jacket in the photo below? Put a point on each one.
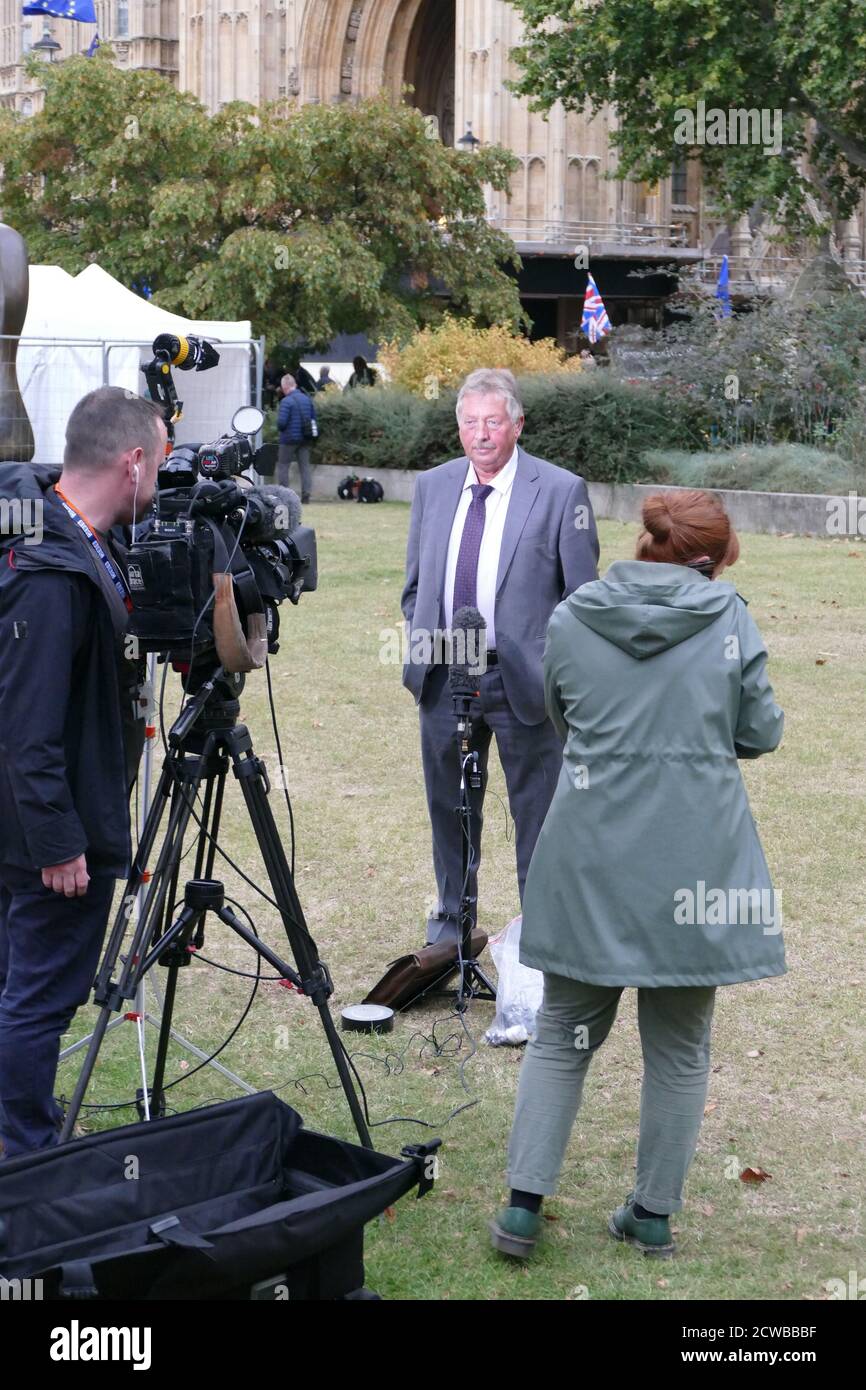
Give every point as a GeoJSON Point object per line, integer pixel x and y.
{"type": "Point", "coordinates": [63, 774]}
{"type": "Point", "coordinates": [648, 870]}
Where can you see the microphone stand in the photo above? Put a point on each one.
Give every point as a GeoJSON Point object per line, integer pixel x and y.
{"type": "Point", "coordinates": [473, 983]}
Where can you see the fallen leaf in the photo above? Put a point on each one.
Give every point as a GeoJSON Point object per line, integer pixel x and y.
{"type": "Point", "coordinates": [661, 1283]}
{"type": "Point", "coordinates": [819, 661]}
{"type": "Point", "coordinates": [755, 1052]}
{"type": "Point", "coordinates": [754, 1175]}
{"type": "Point", "coordinates": [710, 1106]}
{"type": "Point", "coordinates": [718, 1068]}
{"type": "Point", "coordinates": [801, 1234]}
{"type": "Point", "coordinates": [706, 1208]}
{"type": "Point", "coordinates": [550, 1216]}
{"type": "Point", "coordinates": [390, 1213]}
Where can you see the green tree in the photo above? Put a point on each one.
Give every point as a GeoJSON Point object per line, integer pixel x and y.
{"type": "Point", "coordinates": [309, 221]}
{"type": "Point", "coordinates": [651, 58]}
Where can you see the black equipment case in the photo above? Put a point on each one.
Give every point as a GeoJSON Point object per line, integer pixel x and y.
{"type": "Point", "coordinates": [204, 1205]}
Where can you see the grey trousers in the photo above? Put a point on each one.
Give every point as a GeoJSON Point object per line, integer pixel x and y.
{"type": "Point", "coordinates": [572, 1024]}
{"type": "Point", "coordinates": [299, 454]}
{"type": "Point", "coordinates": [531, 757]}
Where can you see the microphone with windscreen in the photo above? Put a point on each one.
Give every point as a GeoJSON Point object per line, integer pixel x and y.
{"type": "Point", "coordinates": [468, 652]}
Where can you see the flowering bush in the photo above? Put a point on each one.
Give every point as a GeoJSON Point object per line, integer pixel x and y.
{"type": "Point", "coordinates": [437, 359]}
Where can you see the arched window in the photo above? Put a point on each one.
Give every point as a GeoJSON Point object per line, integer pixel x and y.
{"type": "Point", "coordinates": [591, 192]}
{"type": "Point", "coordinates": [537, 189]}
{"type": "Point", "coordinates": [26, 37]}
{"type": "Point", "coordinates": [680, 181]}
{"type": "Point", "coordinates": [122, 19]}
{"type": "Point", "coordinates": [573, 191]}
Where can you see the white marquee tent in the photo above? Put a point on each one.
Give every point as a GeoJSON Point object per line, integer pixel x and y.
{"type": "Point", "coordinates": [87, 330]}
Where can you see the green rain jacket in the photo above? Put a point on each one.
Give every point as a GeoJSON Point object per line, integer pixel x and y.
{"type": "Point", "coordinates": [648, 870]}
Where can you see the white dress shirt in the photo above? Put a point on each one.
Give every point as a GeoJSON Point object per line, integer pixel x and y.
{"type": "Point", "coordinates": [495, 510]}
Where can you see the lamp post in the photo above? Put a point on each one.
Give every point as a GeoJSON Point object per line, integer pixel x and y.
{"type": "Point", "coordinates": [469, 143]}
{"type": "Point", "coordinates": [46, 47]}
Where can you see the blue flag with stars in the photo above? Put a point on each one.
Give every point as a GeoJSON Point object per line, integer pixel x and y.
{"type": "Point", "coordinates": [723, 293]}
{"type": "Point", "coordinates": [82, 10]}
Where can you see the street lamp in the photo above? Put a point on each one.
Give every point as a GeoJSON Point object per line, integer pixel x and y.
{"type": "Point", "coordinates": [469, 142]}
{"type": "Point", "coordinates": [46, 46]}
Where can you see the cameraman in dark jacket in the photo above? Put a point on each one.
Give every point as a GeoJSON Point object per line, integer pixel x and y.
{"type": "Point", "coordinates": [64, 826]}
{"type": "Point", "coordinates": [295, 420]}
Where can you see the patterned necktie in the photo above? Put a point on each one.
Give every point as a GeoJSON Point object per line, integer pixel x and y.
{"type": "Point", "coordinates": [466, 575]}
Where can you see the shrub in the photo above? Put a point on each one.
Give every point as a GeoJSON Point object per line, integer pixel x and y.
{"type": "Point", "coordinates": [786, 371]}
{"type": "Point", "coordinates": [588, 423]}
{"type": "Point", "coordinates": [437, 359]}
{"type": "Point", "coordinates": [772, 468]}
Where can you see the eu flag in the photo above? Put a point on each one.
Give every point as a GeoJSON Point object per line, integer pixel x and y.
{"type": "Point", "coordinates": [82, 10]}
{"type": "Point", "coordinates": [723, 294]}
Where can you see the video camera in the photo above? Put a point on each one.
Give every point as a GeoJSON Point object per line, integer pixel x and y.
{"type": "Point", "coordinates": [221, 552]}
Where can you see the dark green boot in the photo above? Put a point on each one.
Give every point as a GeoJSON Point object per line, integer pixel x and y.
{"type": "Point", "coordinates": [652, 1235]}
{"type": "Point", "coordinates": [515, 1231]}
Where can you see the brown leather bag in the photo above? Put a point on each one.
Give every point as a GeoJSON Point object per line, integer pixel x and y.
{"type": "Point", "coordinates": [408, 977]}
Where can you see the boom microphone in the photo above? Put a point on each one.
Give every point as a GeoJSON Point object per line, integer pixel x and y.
{"type": "Point", "coordinates": [468, 651]}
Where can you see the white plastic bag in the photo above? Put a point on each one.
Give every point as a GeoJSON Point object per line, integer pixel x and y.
{"type": "Point", "coordinates": [518, 993]}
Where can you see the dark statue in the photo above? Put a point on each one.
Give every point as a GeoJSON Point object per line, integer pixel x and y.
{"type": "Point", "coordinates": [16, 435]}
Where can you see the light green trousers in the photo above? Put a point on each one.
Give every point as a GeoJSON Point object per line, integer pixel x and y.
{"type": "Point", "coordinates": [572, 1023]}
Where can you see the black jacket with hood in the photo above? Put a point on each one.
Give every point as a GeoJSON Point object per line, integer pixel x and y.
{"type": "Point", "coordinates": [63, 766]}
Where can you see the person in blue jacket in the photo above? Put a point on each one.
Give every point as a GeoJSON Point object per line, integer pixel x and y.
{"type": "Point", "coordinates": [298, 427]}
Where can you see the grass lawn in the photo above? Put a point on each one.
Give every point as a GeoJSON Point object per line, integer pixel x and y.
{"type": "Point", "coordinates": [787, 1089]}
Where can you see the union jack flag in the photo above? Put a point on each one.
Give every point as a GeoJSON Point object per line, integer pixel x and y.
{"type": "Point", "coordinates": [595, 322]}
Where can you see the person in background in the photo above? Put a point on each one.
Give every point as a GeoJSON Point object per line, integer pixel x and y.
{"type": "Point", "coordinates": [297, 425]}
{"type": "Point", "coordinates": [362, 375]}
{"type": "Point", "coordinates": [304, 380]}
{"type": "Point", "coordinates": [271, 384]}
{"type": "Point", "coordinates": [648, 872]}
{"type": "Point", "coordinates": [326, 381]}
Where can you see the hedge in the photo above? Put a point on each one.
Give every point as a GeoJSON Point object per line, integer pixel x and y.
{"type": "Point", "coordinates": [589, 423]}
{"type": "Point", "coordinates": [768, 468]}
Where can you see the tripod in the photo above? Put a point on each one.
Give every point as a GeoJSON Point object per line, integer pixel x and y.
{"type": "Point", "coordinates": [204, 742]}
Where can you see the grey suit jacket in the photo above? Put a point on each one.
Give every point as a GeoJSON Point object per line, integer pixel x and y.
{"type": "Point", "coordinates": [549, 548]}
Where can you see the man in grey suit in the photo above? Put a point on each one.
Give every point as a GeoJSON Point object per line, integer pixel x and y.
{"type": "Point", "coordinates": [513, 536]}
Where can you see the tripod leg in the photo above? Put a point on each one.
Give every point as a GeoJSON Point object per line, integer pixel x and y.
{"type": "Point", "coordinates": [214, 784]}
{"type": "Point", "coordinates": [317, 983]}
{"type": "Point", "coordinates": [107, 994]}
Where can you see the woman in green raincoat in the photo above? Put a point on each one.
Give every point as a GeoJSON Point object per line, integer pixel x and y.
{"type": "Point", "coordinates": [648, 871]}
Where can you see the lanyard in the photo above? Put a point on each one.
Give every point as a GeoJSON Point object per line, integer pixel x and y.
{"type": "Point", "coordinates": [87, 531]}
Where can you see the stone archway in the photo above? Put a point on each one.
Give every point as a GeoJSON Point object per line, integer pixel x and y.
{"type": "Point", "coordinates": [429, 66]}
{"type": "Point", "coordinates": [350, 49]}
